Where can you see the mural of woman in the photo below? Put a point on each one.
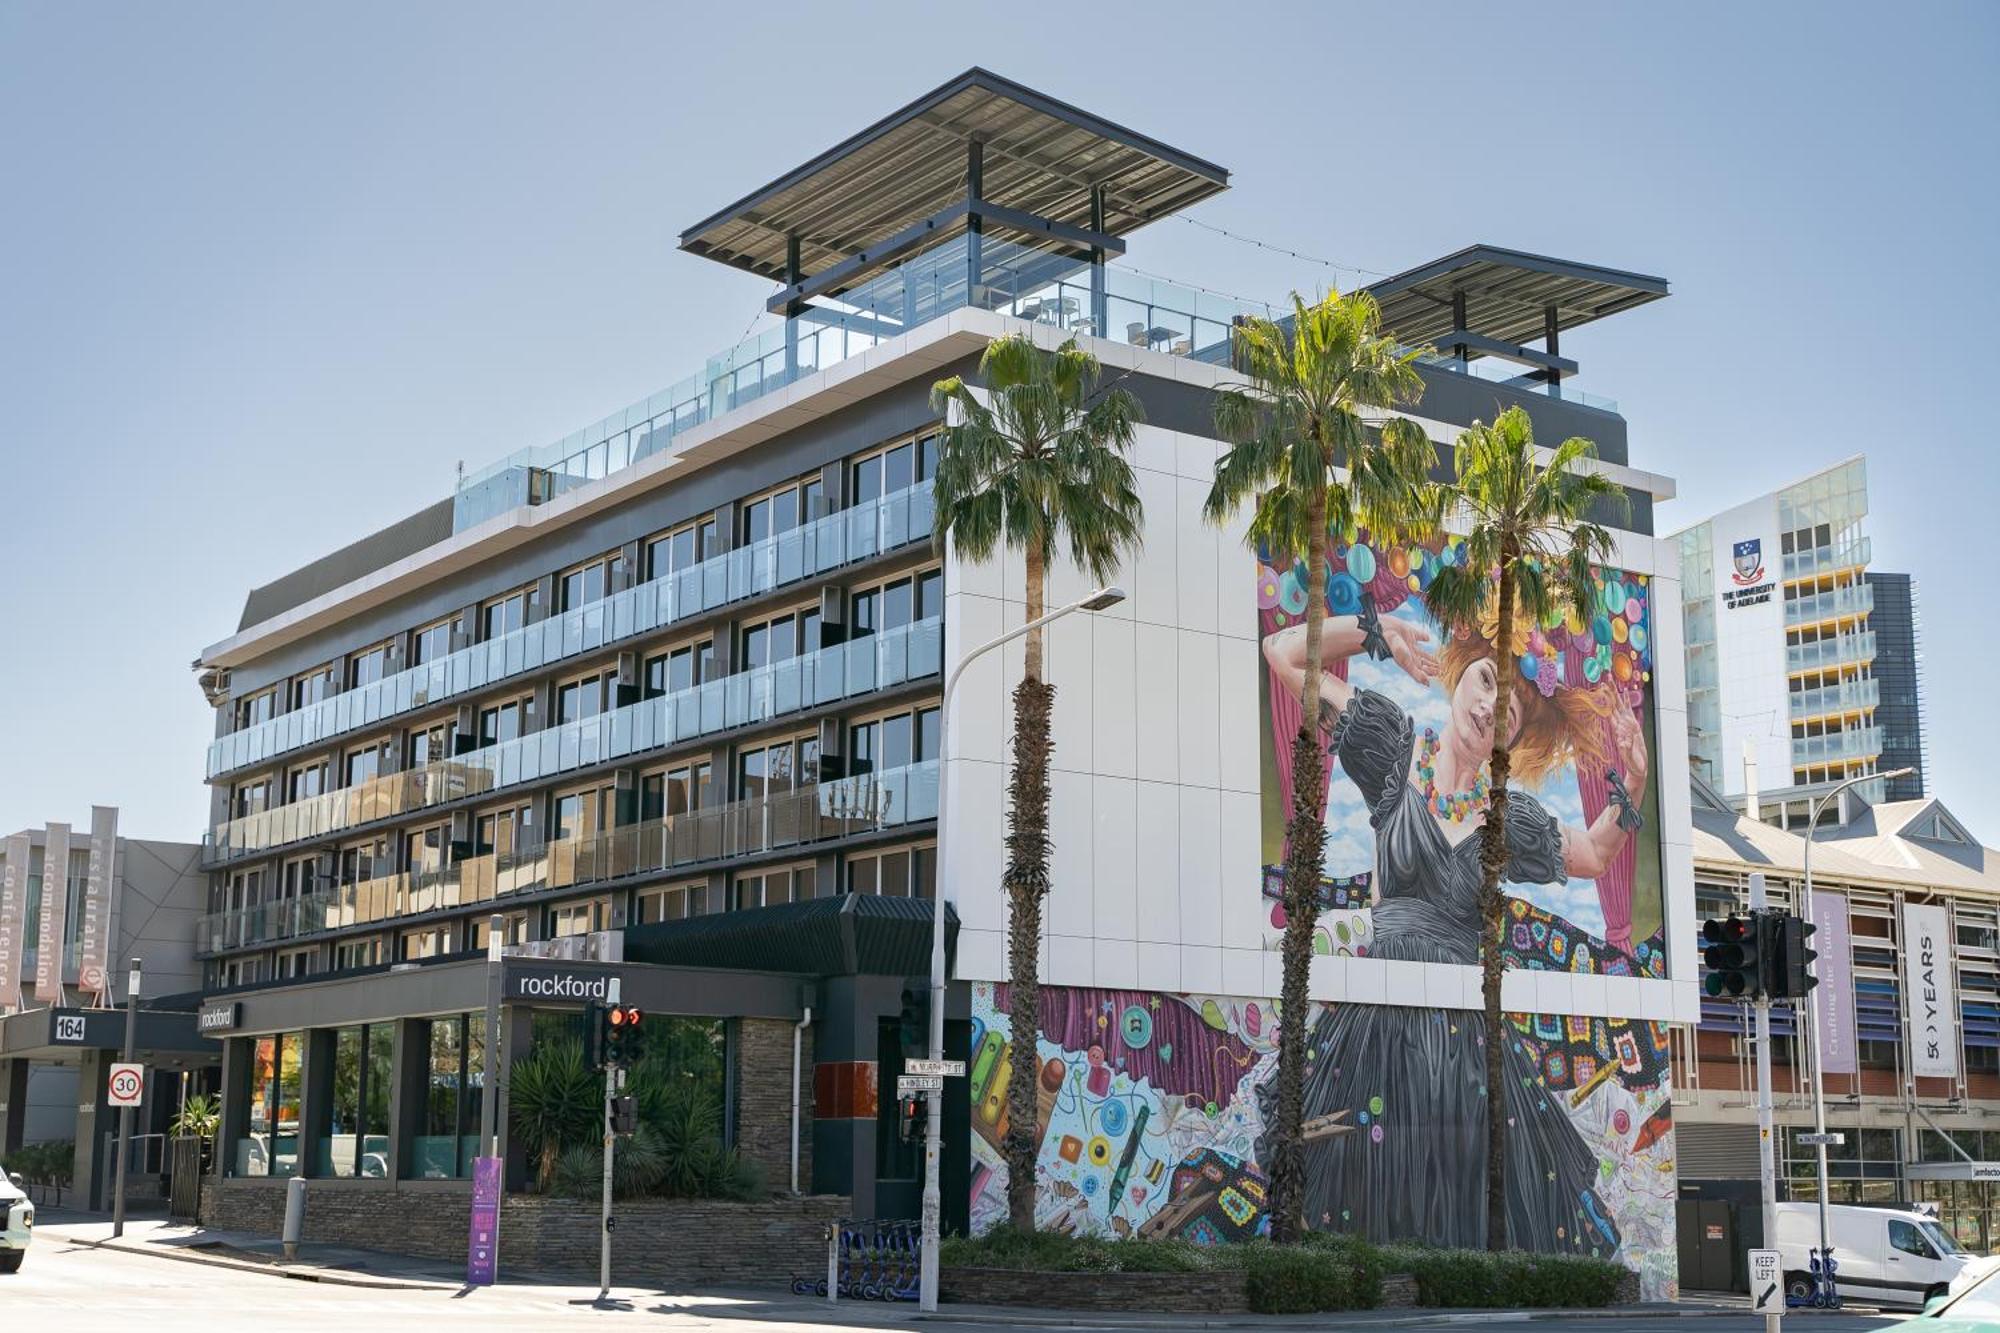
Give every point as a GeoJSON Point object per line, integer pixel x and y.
{"type": "Point", "coordinates": [1412, 1080]}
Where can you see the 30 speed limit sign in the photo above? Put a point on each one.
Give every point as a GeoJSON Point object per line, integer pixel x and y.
{"type": "Point", "coordinates": [128, 1085]}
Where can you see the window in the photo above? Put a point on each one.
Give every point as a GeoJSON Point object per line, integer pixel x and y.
{"type": "Point", "coordinates": [357, 953]}
{"type": "Point", "coordinates": [513, 930]}
{"type": "Point", "coordinates": [672, 791]}
{"type": "Point", "coordinates": [769, 888]}
{"type": "Point", "coordinates": [505, 830]}
{"type": "Point", "coordinates": [360, 862]}
{"type": "Point", "coordinates": [581, 813]}
{"type": "Point", "coordinates": [895, 468]}
{"type": "Point", "coordinates": [429, 745]}
{"type": "Point", "coordinates": [675, 903]}
{"type": "Point", "coordinates": [896, 741]}
{"type": "Point", "coordinates": [679, 550]}
{"type": "Point", "coordinates": [780, 638]}
{"type": "Point", "coordinates": [781, 510]}
{"type": "Point", "coordinates": [257, 708]}
{"type": "Point", "coordinates": [1904, 1236]}
{"type": "Point", "coordinates": [357, 1142]}
{"type": "Point", "coordinates": [901, 872]}
{"type": "Point", "coordinates": [680, 668]}
{"type": "Point", "coordinates": [450, 1137]}
{"type": "Point", "coordinates": [304, 782]}
{"type": "Point", "coordinates": [504, 722]}
{"type": "Point", "coordinates": [503, 615]}
{"type": "Point", "coordinates": [296, 878]}
{"type": "Point", "coordinates": [367, 666]}
{"type": "Point", "coordinates": [896, 603]}
{"type": "Point", "coordinates": [423, 850]}
{"type": "Point", "coordinates": [431, 642]}
{"type": "Point", "coordinates": [579, 918]}
{"type": "Point", "coordinates": [424, 942]}
{"type": "Point", "coordinates": [777, 768]}
{"type": "Point", "coordinates": [582, 698]}
{"type": "Point", "coordinates": [295, 963]}
{"type": "Point", "coordinates": [313, 686]}
{"type": "Point", "coordinates": [365, 764]}
{"type": "Point", "coordinates": [588, 583]}
{"type": "Point", "coordinates": [249, 798]}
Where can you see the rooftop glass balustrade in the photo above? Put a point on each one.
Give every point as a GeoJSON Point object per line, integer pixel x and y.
{"type": "Point", "coordinates": [847, 537]}
{"type": "Point", "coordinates": [814, 813]}
{"type": "Point", "coordinates": [827, 675]}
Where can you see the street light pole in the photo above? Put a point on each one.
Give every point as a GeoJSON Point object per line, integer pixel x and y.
{"type": "Point", "coordinates": [1812, 1001]}
{"type": "Point", "coordinates": [934, 1116]}
{"type": "Point", "coordinates": [125, 1112]}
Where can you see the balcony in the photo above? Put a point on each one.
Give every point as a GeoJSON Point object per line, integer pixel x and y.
{"type": "Point", "coordinates": [1844, 650]}
{"type": "Point", "coordinates": [1854, 553]}
{"type": "Point", "coordinates": [819, 813]}
{"type": "Point", "coordinates": [1848, 696]}
{"type": "Point", "coordinates": [844, 671]}
{"type": "Point", "coordinates": [1849, 603]}
{"type": "Point", "coordinates": [848, 537]}
{"type": "Point", "coordinates": [1854, 743]}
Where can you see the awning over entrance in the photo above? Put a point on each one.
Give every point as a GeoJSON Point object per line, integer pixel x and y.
{"type": "Point", "coordinates": [64, 1035]}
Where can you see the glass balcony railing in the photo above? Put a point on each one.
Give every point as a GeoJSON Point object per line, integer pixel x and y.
{"type": "Point", "coordinates": [1847, 603]}
{"type": "Point", "coordinates": [815, 813]}
{"type": "Point", "coordinates": [852, 535]}
{"type": "Point", "coordinates": [879, 661]}
{"type": "Point", "coordinates": [1854, 743]}
{"type": "Point", "coordinates": [1852, 554]}
{"type": "Point", "coordinates": [1848, 696]}
{"type": "Point", "coordinates": [1845, 648]}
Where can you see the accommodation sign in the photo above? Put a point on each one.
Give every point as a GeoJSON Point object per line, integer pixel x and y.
{"type": "Point", "coordinates": [1929, 997]}
{"type": "Point", "coordinates": [94, 930]}
{"type": "Point", "coordinates": [55, 916]}
{"type": "Point", "coordinates": [13, 919]}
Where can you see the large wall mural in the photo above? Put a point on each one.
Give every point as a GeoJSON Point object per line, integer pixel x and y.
{"type": "Point", "coordinates": [1154, 1104]}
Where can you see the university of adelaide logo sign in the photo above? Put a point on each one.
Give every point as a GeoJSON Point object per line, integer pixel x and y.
{"type": "Point", "coordinates": [1747, 572]}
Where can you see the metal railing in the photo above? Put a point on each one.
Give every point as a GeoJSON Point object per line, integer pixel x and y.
{"type": "Point", "coordinates": [815, 813]}
{"type": "Point", "coordinates": [843, 671]}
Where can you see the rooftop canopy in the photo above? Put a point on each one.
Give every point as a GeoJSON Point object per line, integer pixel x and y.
{"type": "Point", "coordinates": [1503, 298]}
{"type": "Point", "coordinates": [980, 153]}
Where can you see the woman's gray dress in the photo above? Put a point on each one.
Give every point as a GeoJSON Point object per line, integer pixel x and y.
{"type": "Point", "coordinates": [1413, 1164]}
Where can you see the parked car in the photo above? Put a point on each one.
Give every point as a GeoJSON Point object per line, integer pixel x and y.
{"type": "Point", "coordinates": [1971, 1307]}
{"type": "Point", "coordinates": [1882, 1256]}
{"type": "Point", "coordinates": [19, 1215]}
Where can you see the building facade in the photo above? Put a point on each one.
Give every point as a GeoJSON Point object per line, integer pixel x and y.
{"type": "Point", "coordinates": [1905, 899]}
{"type": "Point", "coordinates": [61, 1020]}
{"type": "Point", "coordinates": [1899, 673]}
{"type": "Point", "coordinates": [1784, 641]}
{"type": "Point", "coordinates": [664, 698]}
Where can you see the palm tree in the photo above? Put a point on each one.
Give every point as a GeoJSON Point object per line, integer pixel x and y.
{"type": "Point", "coordinates": [1531, 543]}
{"type": "Point", "coordinates": [1303, 452]}
{"type": "Point", "coordinates": [1037, 466]}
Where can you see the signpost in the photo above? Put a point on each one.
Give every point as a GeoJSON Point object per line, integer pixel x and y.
{"type": "Point", "coordinates": [936, 1069]}
{"type": "Point", "coordinates": [125, 1108]}
{"type": "Point", "coordinates": [1767, 1286]}
{"type": "Point", "coordinates": [1831, 1140]}
{"type": "Point", "coordinates": [482, 1262]}
{"type": "Point", "coordinates": [909, 1085]}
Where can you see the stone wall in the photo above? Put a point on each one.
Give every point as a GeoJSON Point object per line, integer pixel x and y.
{"type": "Point", "coordinates": [763, 1130]}
{"type": "Point", "coordinates": [657, 1242]}
{"type": "Point", "coordinates": [1150, 1293]}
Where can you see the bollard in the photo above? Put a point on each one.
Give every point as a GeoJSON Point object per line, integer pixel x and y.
{"type": "Point", "coordinates": [833, 1263]}
{"type": "Point", "coordinates": [295, 1216]}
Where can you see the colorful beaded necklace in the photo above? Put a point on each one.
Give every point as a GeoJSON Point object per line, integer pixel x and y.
{"type": "Point", "coordinates": [1456, 806]}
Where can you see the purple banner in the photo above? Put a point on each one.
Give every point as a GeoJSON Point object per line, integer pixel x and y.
{"type": "Point", "coordinates": [482, 1261]}
{"type": "Point", "coordinates": [1835, 969]}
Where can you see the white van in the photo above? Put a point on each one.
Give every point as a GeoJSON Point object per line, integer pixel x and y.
{"type": "Point", "coordinates": [1882, 1256]}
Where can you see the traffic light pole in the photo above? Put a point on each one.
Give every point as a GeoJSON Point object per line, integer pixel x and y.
{"type": "Point", "coordinates": [610, 1149]}
{"type": "Point", "coordinates": [1767, 1165]}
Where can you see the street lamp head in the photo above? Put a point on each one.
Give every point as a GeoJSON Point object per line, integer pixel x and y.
{"type": "Point", "coordinates": [1107, 596]}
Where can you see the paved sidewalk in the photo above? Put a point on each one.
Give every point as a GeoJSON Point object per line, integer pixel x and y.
{"type": "Point", "coordinates": [166, 1238]}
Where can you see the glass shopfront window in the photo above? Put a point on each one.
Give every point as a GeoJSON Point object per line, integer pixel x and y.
{"type": "Point", "coordinates": [271, 1148]}
{"type": "Point", "coordinates": [357, 1142]}
{"type": "Point", "coordinates": [450, 1138]}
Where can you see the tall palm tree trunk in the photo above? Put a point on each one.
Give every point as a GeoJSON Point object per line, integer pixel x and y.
{"type": "Point", "coordinates": [1305, 851]}
{"type": "Point", "coordinates": [1492, 865]}
{"type": "Point", "coordinates": [1027, 880]}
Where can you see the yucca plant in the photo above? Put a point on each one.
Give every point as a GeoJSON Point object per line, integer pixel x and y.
{"type": "Point", "coordinates": [554, 1103]}
{"type": "Point", "coordinates": [1037, 465]}
{"type": "Point", "coordinates": [1530, 547]}
{"type": "Point", "coordinates": [1310, 447]}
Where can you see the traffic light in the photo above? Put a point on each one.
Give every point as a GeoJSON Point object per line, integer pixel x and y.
{"type": "Point", "coordinates": [624, 1115]}
{"type": "Point", "coordinates": [621, 1034]}
{"type": "Point", "coordinates": [1739, 955]}
{"type": "Point", "coordinates": [1793, 971]}
{"type": "Point", "coordinates": [594, 1055]}
{"type": "Point", "coordinates": [913, 1023]}
{"type": "Point", "coordinates": [910, 1112]}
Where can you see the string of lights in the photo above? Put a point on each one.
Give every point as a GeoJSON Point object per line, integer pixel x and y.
{"type": "Point", "coordinates": [1281, 250]}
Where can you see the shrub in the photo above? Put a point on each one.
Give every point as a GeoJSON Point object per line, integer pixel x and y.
{"type": "Point", "coordinates": [1470, 1279]}
{"type": "Point", "coordinates": [555, 1103]}
{"type": "Point", "coordinates": [49, 1163]}
{"type": "Point", "coordinates": [1293, 1279]}
{"type": "Point", "coordinates": [1055, 1252]}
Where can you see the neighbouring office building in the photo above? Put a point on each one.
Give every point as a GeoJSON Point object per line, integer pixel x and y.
{"type": "Point", "coordinates": [664, 698]}
{"type": "Point", "coordinates": [1907, 902]}
{"type": "Point", "coordinates": [108, 900]}
{"type": "Point", "coordinates": [1797, 653]}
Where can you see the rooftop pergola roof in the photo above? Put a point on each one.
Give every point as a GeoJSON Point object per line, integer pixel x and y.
{"type": "Point", "coordinates": [1507, 295]}
{"type": "Point", "coordinates": [1042, 158]}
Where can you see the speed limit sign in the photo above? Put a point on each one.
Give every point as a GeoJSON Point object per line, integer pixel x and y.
{"type": "Point", "coordinates": [128, 1085]}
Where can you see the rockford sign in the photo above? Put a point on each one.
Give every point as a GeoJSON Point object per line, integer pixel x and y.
{"type": "Point", "coordinates": [558, 983]}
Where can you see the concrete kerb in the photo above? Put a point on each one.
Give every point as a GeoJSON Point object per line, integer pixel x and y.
{"type": "Point", "coordinates": [1419, 1318]}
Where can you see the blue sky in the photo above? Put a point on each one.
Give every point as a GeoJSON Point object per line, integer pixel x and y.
{"type": "Point", "coordinates": [271, 272]}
